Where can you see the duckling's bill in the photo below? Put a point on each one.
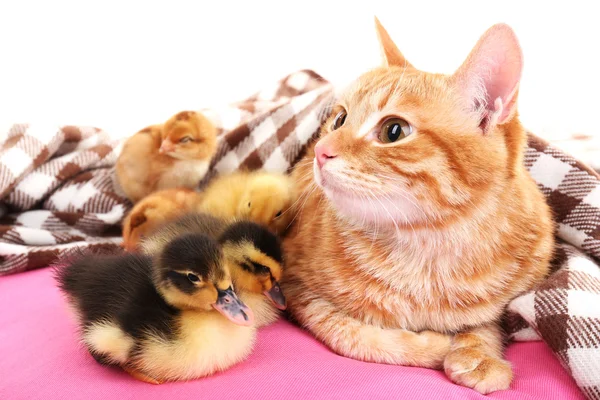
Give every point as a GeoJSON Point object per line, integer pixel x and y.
{"type": "Point", "coordinates": [233, 308]}
{"type": "Point", "coordinates": [275, 294]}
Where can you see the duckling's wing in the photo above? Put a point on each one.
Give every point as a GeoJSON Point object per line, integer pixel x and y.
{"type": "Point", "coordinates": [201, 223]}
{"type": "Point", "coordinates": [102, 286]}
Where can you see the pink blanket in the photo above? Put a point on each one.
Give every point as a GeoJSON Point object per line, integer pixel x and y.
{"type": "Point", "coordinates": [40, 358]}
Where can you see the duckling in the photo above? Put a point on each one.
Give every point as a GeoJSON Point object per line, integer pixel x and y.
{"type": "Point", "coordinates": [252, 252]}
{"type": "Point", "coordinates": [199, 222]}
{"type": "Point", "coordinates": [154, 210]}
{"type": "Point", "coordinates": [255, 261]}
{"type": "Point", "coordinates": [260, 196]}
{"type": "Point", "coordinates": [170, 316]}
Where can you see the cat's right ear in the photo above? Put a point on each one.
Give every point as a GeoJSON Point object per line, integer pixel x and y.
{"type": "Point", "coordinates": [389, 52]}
{"type": "Point", "coordinates": [489, 78]}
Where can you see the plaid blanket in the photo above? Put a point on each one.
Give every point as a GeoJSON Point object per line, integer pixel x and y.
{"type": "Point", "coordinates": [58, 192]}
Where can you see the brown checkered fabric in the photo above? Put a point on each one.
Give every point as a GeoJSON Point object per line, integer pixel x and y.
{"type": "Point", "coordinates": [564, 310]}
{"type": "Point", "coordinates": [59, 193]}
{"type": "Point", "coordinates": [58, 188]}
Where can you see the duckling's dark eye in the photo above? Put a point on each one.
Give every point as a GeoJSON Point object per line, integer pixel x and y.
{"type": "Point", "coordinates": [339, 120]}
{"type": "Point", "coordinates": [249, 204]}
{"type": "Point", "coordinates": [193, 278]}
{"type": "Point", "coordinates": [278, 214]}
{"type": "Point", "coordinates": [260, 269]}
{"type": "Point", "coordinates": [263, 270]}
{"type": "Point", "coordinates": [394, 129]}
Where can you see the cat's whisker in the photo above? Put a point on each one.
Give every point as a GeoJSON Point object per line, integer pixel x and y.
{"type": "Point", "coordinates": [405, 195]}
{"type": "Point", "coordinates": [326, 108]}
{"type": "Point", "coordinates": [365, 224]}
{"type": "Point", "coordinates": [365, 186]}
{"type": "Point", "coordinates": [306, 197]}
{"type": "Point", "coordinates": [291, 207]}
{"type": "Point", "coordinates": [387, 197]}
{"type": "Point", "coordinates": [376, 231]}
{"type": "Point", "coordinates": [304, 194]}
{"type": "Point", "coordinates": [388, 213]}
{"type": "Point", "coordinates": [423, 213]}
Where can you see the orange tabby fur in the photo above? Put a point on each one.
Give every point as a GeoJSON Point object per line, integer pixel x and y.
{"type": "Point", "coordinates": [175, 154]}
{"type": "Point", "coordinates": [154, 210]}
{"type": "Point", "coordinates": [434, 232]}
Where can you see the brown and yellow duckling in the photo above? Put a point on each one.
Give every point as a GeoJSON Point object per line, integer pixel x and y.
{"type": "Point", "coordinates": [170, 316]}
{"type": "Point", "coordinates": [252, 252]}
{"type": "Point", "coordinates": [256, 264]}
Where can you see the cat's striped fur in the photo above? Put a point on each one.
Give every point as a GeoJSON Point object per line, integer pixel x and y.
{"type": "Point", "coordinates": [408, 252]}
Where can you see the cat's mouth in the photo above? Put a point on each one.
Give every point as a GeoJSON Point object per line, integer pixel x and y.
{"type": "Point", "coordinates": [334, 190]}
{"type": "Point", "coordinates": [317, 173]}
{"type": "Point", "coordinates": [363, 206]}
{"type": "Point", "coordinates": [326, 180]}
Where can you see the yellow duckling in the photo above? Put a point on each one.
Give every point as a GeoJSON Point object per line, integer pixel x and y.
{"type": "Point", "coordinates": [252, 252]}
{"type": "Point", "coordinates": [170, 316]}
{"type": "Point", "coordinates": [259, 196]}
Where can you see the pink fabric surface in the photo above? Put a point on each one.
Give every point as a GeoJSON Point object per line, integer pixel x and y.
{"type": "Point", "coordinates": [40, 358]}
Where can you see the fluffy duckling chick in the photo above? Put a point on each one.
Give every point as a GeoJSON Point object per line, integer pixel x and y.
{"type": "Point", "coordinates": [256, 263]}
{"type": "Point", "coordinates": [174, 154]}
{"type": "Point", "coordinates": [260, 196]}
{"type": "Point", "coordinates": [253, 255]}
{"type": "Point", "coordinates": [155, 210]}
{"type": "Point", "coordinates": [164, 317]}
{"type": "Point", "coordinates": [199, 222]}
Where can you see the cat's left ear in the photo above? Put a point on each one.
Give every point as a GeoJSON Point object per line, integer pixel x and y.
{"type": "Point", "coordinates": [390, 54]}
{"type": "Point", "coordinates": [489, 78]}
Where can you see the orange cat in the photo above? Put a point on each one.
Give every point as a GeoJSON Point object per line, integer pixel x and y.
{"type": "Point", "coordinates": [154, 210]}
{"type": "Point", "coordinates": [418, 216]}
{"type": "Point", "coordinates": [175, 154]}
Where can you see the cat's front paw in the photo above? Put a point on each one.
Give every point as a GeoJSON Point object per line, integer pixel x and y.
{"type": "Point", "coordinates": [437, 346]}
{"type": "Point", "coordinates": [472, 368]}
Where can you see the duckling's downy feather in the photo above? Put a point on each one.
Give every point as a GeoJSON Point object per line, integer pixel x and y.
{"type": "Point", "coordinates": [189, 223]}
{"type": "Point", "coordinates": [125, 321]}
{"type": "Point", "coordinates": [260, 238]}
{"type": "Point", "coordinates": [118, 289]}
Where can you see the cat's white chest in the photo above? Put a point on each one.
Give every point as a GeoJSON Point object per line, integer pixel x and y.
{"type": "Point", "coordinates": [187, 173]}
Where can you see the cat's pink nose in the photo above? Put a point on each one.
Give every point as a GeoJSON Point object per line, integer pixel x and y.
{"type": "Point", "coordinates": [323, 153]}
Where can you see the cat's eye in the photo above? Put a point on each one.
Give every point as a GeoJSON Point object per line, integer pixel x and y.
{"type": "Point", "coordinates": [339, 120]}
{"type": "Point", "coordinates": [394, 129]}
{"type": "Point", "coordinates": [278, 214]}
{"type": "Point", "coordinates": [185, 139]}
{"type": "Point", "coordinates": [193, 278]}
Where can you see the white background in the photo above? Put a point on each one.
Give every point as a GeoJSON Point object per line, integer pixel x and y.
{"type": "Point", "coordinates": [123, 65]}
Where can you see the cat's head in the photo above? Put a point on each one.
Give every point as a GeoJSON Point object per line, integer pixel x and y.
{"type": "Point", "coordinates": [407, 147]}
{"type": "Point", "coordinates": [189, 135]}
